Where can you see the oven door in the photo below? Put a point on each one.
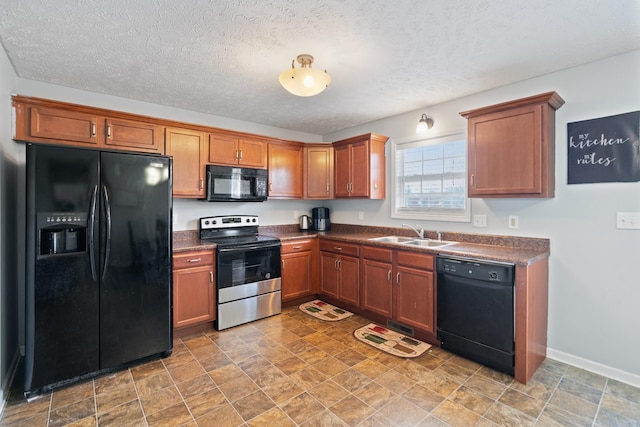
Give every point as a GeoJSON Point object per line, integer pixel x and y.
{"type": "Point", "coordinates": [246, 271]}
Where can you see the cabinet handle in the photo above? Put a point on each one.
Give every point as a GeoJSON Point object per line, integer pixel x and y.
{"type": "Point", "coordinates": [240, 155]}
{"type": "Point", "coordinates": [283, 264]}
{"type": "Point", "coordinates": [194, 260]}
{"type": "Point", "coordinates": [335, 264]}
{"type": "Point", "coordinates": [271, 186]}
{"type": "Point", "coordinates": [236, 155]}
{"type": "Point", "coordinates": [327, 188]}
{"type": "Point", "coordinates": [211, 277]}
{"type": "Point", "coordinates": [93, 129]}
{"type": "Point", "coordinates": [473, 180]}
{"type": "Point", "coordinates": [297, 247]}
{"type": "Point", "coordinates": [201, 183]}
{"type": "Point", "coordinates": [339, 264]}
{"type": "Point", "coordinates": [389, 276]}
{"type": "Point", "coordinates": [109, 131]}
{"type": "Point", "coordinates": [337, 248]}
{"type": "Point", "coordinates": [398, 278]}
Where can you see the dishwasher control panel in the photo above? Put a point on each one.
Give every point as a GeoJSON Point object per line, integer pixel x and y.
{"type": "Point", "coordinates": [489, 271]}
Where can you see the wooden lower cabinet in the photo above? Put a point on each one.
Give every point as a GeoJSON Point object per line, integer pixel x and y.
{"type": "Point", "coordinates": [299, 269]}
{"type": "Point", "coordinates": [340, 271]}
{"type": "Point", "coordinates": [194, 290]}
{"type": "Point", "coordinates": [399, 286]}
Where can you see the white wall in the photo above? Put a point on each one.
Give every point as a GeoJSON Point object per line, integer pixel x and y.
{"type": "Point", "coordinates": [594, 286]}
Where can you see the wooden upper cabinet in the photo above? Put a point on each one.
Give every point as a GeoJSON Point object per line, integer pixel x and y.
{"type": "Point", "coordinates": [285, 170]}
{"type": "Point", "coordinates": [511, 147]}
{"type": "Point", "coordinates": [59, 123]}
{"type": "Point", "coordinates": [189, 151]}
{"type": "Point", "coordinates": [232, 150]}
{"type": "Point", "coordinates": [360, 167]}
{"type": "Point", "coordinates": [132, 135]}
{"type": "Point", "coordinates": [318, 172]}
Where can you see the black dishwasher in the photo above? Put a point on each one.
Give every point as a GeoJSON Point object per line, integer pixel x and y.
{"type": "Point", "coordinates": [476, 310]}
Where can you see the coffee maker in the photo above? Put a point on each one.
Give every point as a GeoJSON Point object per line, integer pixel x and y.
{"type": "Point", "coordinates": [320, 218]}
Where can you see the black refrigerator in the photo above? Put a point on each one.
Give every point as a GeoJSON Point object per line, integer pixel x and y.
{"type": "Point", "coordinates": [98, 276]}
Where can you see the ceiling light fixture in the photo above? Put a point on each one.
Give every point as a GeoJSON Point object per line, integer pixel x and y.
{"type": "Point", "coordinates": [424, 124]}
{"type": "Point", "coordinates": [304, 81]}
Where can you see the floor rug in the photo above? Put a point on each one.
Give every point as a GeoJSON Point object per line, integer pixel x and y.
{"type": "Point", "coordinates": [324, 311]}
{"type": "Point", "coordinates": [390, 341]}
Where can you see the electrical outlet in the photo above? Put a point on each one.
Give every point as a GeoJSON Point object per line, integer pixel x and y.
{"type": "Point", "coordinates": [514, 221]}
{"type": "Point", "coordinates": [295, 215]}
{"type": "Point", "coordinates": [479, 220]}
{"type": "Point", "coordinates": [361, 215]}
{"type": "Point", "coordinates": [628, 220]}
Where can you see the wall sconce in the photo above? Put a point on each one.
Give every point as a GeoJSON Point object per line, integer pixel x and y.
{"type": "Point", "coordinates": [424, 124]}
{"type": "Point", "coordinates": [304, 81]}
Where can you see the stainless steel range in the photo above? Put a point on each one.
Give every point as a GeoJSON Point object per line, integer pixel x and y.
{"type": "Point", "coordinates": [247, 269]}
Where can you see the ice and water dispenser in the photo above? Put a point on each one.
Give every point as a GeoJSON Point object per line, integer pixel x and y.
{"type": "Point", "coordinates": [60, 233]}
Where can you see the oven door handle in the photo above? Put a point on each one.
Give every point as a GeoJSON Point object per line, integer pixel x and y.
{"type": "Point", "coordinates": [244, 248]}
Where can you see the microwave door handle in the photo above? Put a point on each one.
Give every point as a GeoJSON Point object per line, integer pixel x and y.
{"type": "Point", "coordinates": [91, 226]}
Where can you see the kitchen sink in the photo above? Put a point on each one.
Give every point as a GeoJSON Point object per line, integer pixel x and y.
{"type": "Point", "coordinates": [392, 239]}
{"type": "Point", "coordinates": [428, 243]}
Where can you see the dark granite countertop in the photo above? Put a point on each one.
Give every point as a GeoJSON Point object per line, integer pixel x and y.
{"type": "Point", "coordinates": [514, 249]}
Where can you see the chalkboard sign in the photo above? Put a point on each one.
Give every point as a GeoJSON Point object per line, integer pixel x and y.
{"type": "Point", "coordinates": [606, 149]}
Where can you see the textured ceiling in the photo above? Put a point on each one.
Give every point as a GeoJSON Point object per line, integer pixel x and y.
{"type": "Point", "coordinates": [385, 57]}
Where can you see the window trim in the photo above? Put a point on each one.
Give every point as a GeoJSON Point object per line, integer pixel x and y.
{"type": "Point", "coordinates": [428, 214]}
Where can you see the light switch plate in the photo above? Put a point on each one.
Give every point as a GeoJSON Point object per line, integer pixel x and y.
{"type": "Point", "coordinates": [361, 215]}
{"type": "Point", "coordinates": [628, 220]}
{"type": "Point", "coordinates": [514, 221]}
{"type": "Point", "coordinates": [479, 220]}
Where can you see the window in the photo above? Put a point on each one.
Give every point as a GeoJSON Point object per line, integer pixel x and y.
{"type": "Point", "coordinates": [429, 179]}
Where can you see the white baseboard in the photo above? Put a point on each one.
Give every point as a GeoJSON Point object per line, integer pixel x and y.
{"type": "Point", "coordinates": [595, 367]}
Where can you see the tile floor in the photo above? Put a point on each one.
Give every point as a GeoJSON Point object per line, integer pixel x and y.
{"type": "Point", "coordinates": [293, 369]}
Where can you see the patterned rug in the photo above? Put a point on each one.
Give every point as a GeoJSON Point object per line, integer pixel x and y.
{"type": "Point", "coordinates": [324, 311]}
{"type": "Point", "coordinates": [390, 341]}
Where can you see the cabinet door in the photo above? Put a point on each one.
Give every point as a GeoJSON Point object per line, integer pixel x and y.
{"type": "Point", "coordinates": [188, 149]}
{"type": "Point", "coordinates": [359, 166]}
{"type": "Point", "coordinates": [505, 152]}
{"type": "Point", "coordinates": [223, 150]}
{"type": "Point", "coordinates": [318, 172]}
{"type": "Point", "coordinates": [285, 171]}
{"type": "Point", "coordinates": [377, 288]}
{"type": "Point", "coordinates": [414, 298]}
{"type": "Point", "coordinates": [342, 170]}
{"type": "Point", "coordinates": [134, 136]}
{"type": "Point", "coordinates": [51, 125]}
{"type": "Point", "coordinates": [329, 274]}
{"type": "Point", "coordinates": [296, 275]}
{"type": "Point", "coordinates": [349, 272]}
{"type": "Point", "coordinates": [194, 295]}
{"type": "Point", "coordinates": [252, 153]}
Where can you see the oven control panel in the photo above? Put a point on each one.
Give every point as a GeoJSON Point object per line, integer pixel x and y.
{"type": "Point", "coordinates": [234, 221]}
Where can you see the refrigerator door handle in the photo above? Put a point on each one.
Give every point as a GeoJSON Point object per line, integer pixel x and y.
{"type": "Point", "coordinates": [91, 226]}
{"type": "Point", "coordinates": [107, 208]}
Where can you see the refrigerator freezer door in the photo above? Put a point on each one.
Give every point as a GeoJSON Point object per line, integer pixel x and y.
{"type": "Point", "coordinates": [135, 258]}
{"type": "Point", "coordinates": [61, 340]}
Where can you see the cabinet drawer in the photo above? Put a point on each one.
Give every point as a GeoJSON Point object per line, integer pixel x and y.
{"type": "Point", "coordinates": [378, 254]}
{"type": "Point", "coordinates": [296, 246]}
{"type": "Point", "coordinates": [339, 247]}
{"type": "Point", "coordinates": [192, 259]}
{"type": "Point", "coordinates": [415, 260]}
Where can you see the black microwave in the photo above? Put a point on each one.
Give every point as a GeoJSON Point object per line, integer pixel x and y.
{"type": "Point", "coordinates": [228, 183]}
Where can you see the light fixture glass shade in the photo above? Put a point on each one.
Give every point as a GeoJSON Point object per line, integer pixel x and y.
{"type": "Point", "coordinates": [304, 81]}
{"type": "Point", "coordinates": [424, 124]}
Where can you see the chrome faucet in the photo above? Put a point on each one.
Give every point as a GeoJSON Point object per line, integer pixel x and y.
{"type": "Point", "coordinates": [417, 229]}
{"type": "Point", "coordinates": [439, 236]}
